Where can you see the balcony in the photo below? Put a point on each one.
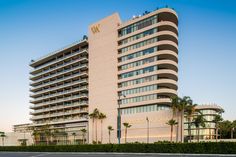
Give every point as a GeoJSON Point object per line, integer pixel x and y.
{"type": "Point", "coordinates": [85, 95]}
{"type": "Point", "coordinates": [76, 104]}
{"type": "Point", "coordinates": [60, 73]}
{"type": "Point", "coordinates": [59, 114]}
{"type": "Point", "coordinates": [60, 94]}
{"type": "Point", "coordinates": [59, 80]}
{"type": "Point", "coordinates": [58, 60]}
{"type": "Point", "coordinates": [58, 67]}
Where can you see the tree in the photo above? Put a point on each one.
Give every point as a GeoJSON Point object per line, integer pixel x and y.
{"type": "Point", "coordinates": [74, 135]}
{"type": "Point", "coordinates": [101, 116]}
{"type": "Point", "coordinates": [184, 102]}
{"type": "Point", "coordinates": [84, 131]}
{"type": "Point", "coordinates": [3, 135]}
{"type": "Point", "coordinates": [217, 120]}
{"type": "Point", "coordinates": [175, 102]}
{"type": "Point", "coordinates": [199, 121]}
{"type": "Point", "coordinates": [189, 111]}
{"type": "Point", "coordinates": [126, 125]}
{"type": "Point", "coordinates": [47, 132]}
{"type": "Point", "coordinates": [94, 116]}
{"type": "Point", "coordinates": [171, 122]}
{"type": "Point", "coordinates": [109, 132]}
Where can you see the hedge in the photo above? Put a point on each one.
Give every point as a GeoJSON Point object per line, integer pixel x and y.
{"type": "Point", "coordinates": [195, 148]}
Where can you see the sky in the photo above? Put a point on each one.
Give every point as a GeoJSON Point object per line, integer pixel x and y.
{"type": "Point", "coordinates": [30, 29]}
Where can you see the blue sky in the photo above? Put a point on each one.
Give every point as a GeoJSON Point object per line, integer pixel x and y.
{"type": "Point", "coordinates": [32, 28]}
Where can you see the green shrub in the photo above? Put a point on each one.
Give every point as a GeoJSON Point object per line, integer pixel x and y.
{"type": "Point", "coordinates": [159, 147]}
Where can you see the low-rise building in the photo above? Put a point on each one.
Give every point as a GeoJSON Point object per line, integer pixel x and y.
{"type": "Point", "coordinates": [209, 131]}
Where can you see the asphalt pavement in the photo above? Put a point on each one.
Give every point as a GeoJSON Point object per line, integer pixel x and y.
{"type": "Point", "coordinates": [45, 154]}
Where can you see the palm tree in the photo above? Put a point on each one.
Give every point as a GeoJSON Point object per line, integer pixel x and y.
{"type": "Point", "coordinates": [94, 116]}
{"type": "Point", "coordinates": [84, 131]}
{"type": "Point", "coordinates": [109, 132]}
{"type": "Point", "coordinates": [47, 132]}
{"type": "Point", "coordinates": [175, 102]}
{"type": "Point", "coordinates": [74, 135]}
{"type": "Point", "coordinates": [126, 125]}
{"type": "Point", "coordinates": [217, 120]}
{"type": "Point", "coordinates": [171, 122]}
{"type": "Point", "coordinates": [184, 102]}
{"type": "Point", "coordinates": [189, 111]}
{"type": "Point", "coordinates": [101, 116]}
{"type": "Point", "coordinates": [199, 121]}
{"type": "Point", "coordinates": [3, 137]}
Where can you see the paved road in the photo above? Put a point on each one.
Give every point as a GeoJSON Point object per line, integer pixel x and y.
{"type": "Point", "coordinates": [30, 154]}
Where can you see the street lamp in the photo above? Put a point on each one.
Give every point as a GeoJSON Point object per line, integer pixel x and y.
{"type": "Point", "coordinates": [119, 118]}
{"type": "Point", "coordinates": [147, 129]}
{"type": "Point", "coordinates": [232, 133]}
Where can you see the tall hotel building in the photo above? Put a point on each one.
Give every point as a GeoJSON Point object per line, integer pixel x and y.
{"type": "Point", "coordinates": [133, 63]}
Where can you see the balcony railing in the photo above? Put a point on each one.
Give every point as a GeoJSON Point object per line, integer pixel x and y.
{"type": "Point", "coordinates": [59, 80]}
{"type": "Point", "coordinates": [76, 104]}
{"type": "Point", "coordinates": [84, 118]}
{"type": "Point", "coordinates": [60, 100]}
{"type": "Point", "coordinates": [59, 94]}
{"type": "Point", "coordinates": [58, 60]}
{"type": "Point", "coordinates": [59, 87]}
{"type": "Point", "coordinates": [58, 67]}
{"type": "Point", "coordinates": [59, 114]}
{"type": "Point", "coordinates": [60, 73]}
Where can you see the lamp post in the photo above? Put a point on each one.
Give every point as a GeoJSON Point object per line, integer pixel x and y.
{"type": "Point", "coordinates": [232, 133]}
{"type": "Point", "coordinates": [119, 118]}
{"type": "Point", "coordinates": [147, 129]}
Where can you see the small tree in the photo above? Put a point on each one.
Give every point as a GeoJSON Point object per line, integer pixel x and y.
{"type": "Point", "coordinates": [84, 131]}
{"type": "Point", "coordinates": [101, 116]}
{"type": "Point", "coordinates": [126, 125]}
{"type": "Point", "coordinates": [217, 120]}
{"type": "Point", "coordinates": [172, 123]}
{"type": "Point", "coordinates": [199, 121]}
{"type": "Point", "coordinates": [109, 132]}
{"type": "Point", "coordinates": [74, 135]}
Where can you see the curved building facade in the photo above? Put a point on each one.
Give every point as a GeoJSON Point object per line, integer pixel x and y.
{"type": "Point", "coordinates": [134, 64]}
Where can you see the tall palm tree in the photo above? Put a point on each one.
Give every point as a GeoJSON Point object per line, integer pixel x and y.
{"type": "Point", "coordinates": [175, 102]}
{"type": "Point", "coordinates": [109, 132]}
{"type": "Point", "coordinates": [184, 102]}
{"type": "Point", "coordinates": [74, 135]}
{"type": "Point", "coordinates": [47, 132]}
{"type": "Point", "coordinates": [199, 121]}
{"type": "Point", "coordinates": [171, 122]}
{"type": "Point", "coordinates": [84, 131]}
{"type": "Point", "coordinates": [126, 125]}
{"type": "Point", "coordinates": [94, 117]}
{"type": "Point", "coordinates": [3, 135]}
{"type": "Point", "coordinates": [189, 111]}
{"type": "Point", "coordinates": [101, 116]}
{"type": "Point", "coordinates": [217, 120]}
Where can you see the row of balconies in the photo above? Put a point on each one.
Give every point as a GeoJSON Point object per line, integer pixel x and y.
{"type": "Point", "coordinates": [58, 60]}
{"type": "Point", "coordinates": [60, 73]}
{"type": "Point", "coordinates": [59, 67]}
{"type": "Point", "coordinates": [65, 106]}
{"type": "Point", "coordinates": [59, 80]}
{"type": "Point", "coordinates": [70, 112]}
{"type": "Point", "coordinates": [58, 87]}
{"type": "Point", "coordinates": [61, 120]}
{"type": "Point", "coordinates": [59, 94]}
{"type": "Point", "coordinates": [84, 95]}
